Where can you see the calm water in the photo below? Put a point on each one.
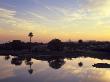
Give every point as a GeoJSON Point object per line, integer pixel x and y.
{"type": "Point", "coordinates": [64, 70]}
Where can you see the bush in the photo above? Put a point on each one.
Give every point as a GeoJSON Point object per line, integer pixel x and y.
{"type": "Point", "coordinates": [55, 45]}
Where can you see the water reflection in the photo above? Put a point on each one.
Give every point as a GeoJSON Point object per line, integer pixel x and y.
{"type": "Point", "coordinates": [16, 61]}
{"type": "Point", "coordinates": [30, 66]}
{"type": "Point", "coordinates": [80, 64]}
{"type": "Point", "coordinates": [7, 57]}
{"type": "Point", "coordinates": [56, 63]}
{"type": "Point", "coordinates": [101, 65]}
{"type": "Point", "coordinates": [68, 69]}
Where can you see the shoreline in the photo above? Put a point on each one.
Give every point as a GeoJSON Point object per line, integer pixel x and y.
{"type": "Point", "coordinates": [93, 54]}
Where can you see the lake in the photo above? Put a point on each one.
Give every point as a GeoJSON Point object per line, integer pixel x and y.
{"type": "Point", "coordinates": [81, 69]}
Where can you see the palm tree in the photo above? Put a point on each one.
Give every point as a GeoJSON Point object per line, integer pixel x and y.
{"type": "Point", "coordinates": [30, 36]}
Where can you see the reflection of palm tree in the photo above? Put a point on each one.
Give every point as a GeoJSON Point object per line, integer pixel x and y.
{"type": "Point", "coordinates": [30, 36]}
{"type": "Point", "coordinates": [30, 71]}
{"type": "Point", "coordinates": [30, 66]}
{"type": "Point", "coordinates": [57, 63]}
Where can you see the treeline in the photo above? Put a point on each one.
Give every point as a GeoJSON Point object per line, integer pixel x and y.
{"type": "Point", "coordinates": [57, 45]}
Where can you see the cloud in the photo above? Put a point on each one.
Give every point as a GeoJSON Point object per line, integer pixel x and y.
{"type": "Point", "coordinates": [9, 20]}
{"type": "Point", "coordinates": [7, 13]}
{"type": "Point", "coordinates": [58, 19]}
{"type": "Point", "coordinates": [35, 15]}
{"type": "Point", "coordinates": [99, 8]}
{"type": "Point", "coordinates": [90, 10]}
{"type": "Point", "coordinates": [7, 16]}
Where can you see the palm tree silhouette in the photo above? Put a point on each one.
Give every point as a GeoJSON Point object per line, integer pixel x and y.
{"type": "Point", "coordinates": [30, 36]}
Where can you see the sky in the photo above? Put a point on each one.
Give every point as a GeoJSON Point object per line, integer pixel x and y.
{"type": "Point", "coordinates": [48, 19]}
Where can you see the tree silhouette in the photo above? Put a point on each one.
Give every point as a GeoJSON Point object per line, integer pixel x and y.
{"type": "Point", "coordinates": [55, 45]}
{"type": "Point", "coordinates": [80, 41]}
{"type": "Point", "coordinates": [30, 36]}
